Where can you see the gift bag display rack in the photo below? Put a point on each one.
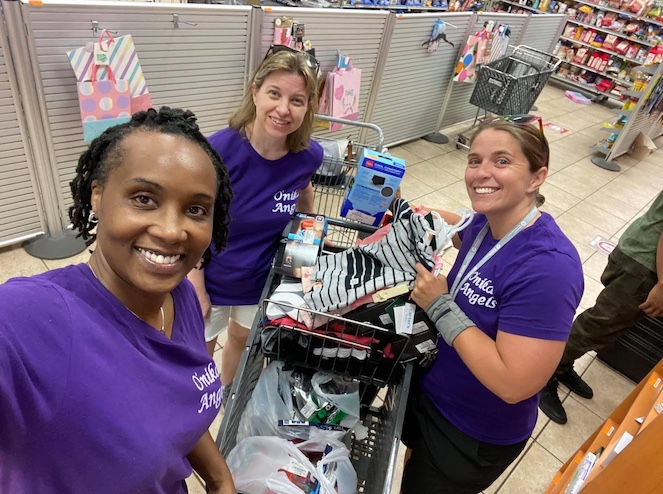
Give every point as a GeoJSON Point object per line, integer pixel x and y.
{"type": "Point", "coordinates": [383, 379]}
{"type": "Point", "coordinates": [331, 186]}
{"type": "Point", "coordinates": [510, 85]}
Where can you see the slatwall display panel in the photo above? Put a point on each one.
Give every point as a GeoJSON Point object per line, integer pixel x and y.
{"type": "Point", "coordinates": [19, 212]}
{"type": "Point", "coordinates": [414, 83]}
{"type": "Point", "coordinates": [201, 67]}
{"type": "Point", "coordinates": [459, 108]}
{"type": "Point", "coordinates": [542, 31]}
{"type": "Point", "coordinates": [639, 121]}
{"type": "Point", "coordinates": [359, 34]}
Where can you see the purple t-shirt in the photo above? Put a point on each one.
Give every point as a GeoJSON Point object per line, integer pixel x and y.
{"type": "Point", "coordinates": [531, 287]}
{"type": "Point", "coordinates": [92, 399]}
{"type": "Point", "coordinates": [265, 197]}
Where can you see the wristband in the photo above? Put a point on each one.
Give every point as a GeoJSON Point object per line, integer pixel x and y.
{"type": "Point", "coordinates": [449, 319]}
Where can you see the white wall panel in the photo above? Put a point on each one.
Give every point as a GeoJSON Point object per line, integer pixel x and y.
{"type": "Point", "coordinates": [414, 83]}
{"type": "Point", "coordinates": [200, 67]}
{"type": "Point", "coordinates": [20, 215]}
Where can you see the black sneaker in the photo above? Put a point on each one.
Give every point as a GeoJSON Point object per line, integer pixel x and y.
{"type": "Point", "coordinates": [574, 382]}
{"type": "Point", "coordinates": [550, 403]}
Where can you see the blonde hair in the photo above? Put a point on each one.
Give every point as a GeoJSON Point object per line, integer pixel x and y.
{"type": "Point", "coordinates": [532, 142]}
{"type": "Point", "coordinates": [292, 63]}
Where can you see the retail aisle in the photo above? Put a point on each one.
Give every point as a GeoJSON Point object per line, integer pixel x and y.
{"type": "Point", "coordinates": [586, 201]}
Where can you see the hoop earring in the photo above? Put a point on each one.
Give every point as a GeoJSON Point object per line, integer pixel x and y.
{"type": "Point", "coordinates": [93, 217]}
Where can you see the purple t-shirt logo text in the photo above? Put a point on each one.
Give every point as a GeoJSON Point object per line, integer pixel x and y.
{"type": "Point", "coordinates": [483, 285]}
{"type": "Point", "coordinates": [209, 377]}
{"type": "Point", "coordinates": [286, 202]}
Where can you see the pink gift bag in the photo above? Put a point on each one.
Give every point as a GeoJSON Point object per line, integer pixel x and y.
{"type": "Point", "coordinates": [345, 95]}
{"type": "Point", "coordinates": [107, 100]}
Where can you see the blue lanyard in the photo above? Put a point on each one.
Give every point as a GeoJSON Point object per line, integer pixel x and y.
{"type": "Point", "coordinates": [460, 279]}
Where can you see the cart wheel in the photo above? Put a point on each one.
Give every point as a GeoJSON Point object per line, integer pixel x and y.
{"type": "Point", "coordinates": [461, 142]}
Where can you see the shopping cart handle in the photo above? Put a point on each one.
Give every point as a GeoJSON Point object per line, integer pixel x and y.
{"type": "Point", "coordinates": [360, 227]}
{"type": "Point", "coordinates": [378, 130]}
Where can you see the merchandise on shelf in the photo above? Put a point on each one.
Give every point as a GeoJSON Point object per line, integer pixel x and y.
{"type": "Point", "coordinates": [602, 40]}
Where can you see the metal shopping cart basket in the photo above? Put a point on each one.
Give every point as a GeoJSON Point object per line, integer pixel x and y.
{"type": "Point", "coordinates": [336, 176]}
{"type": "Point", "coordinates": [384, 382]}
{"type": "Point", "coordinates": [510, 85]}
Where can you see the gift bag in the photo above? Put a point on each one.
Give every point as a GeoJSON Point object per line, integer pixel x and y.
{"type": "Point", "coordinates": [345, 89]}
{"type": "Point", "coordinates": [103, 104]}
{"type": "Point", "coordinates": [500, 43]}
{"type": "Point", "coordinates": [466, 67]}
{"type": "Point", "coordinates": [121, 59]}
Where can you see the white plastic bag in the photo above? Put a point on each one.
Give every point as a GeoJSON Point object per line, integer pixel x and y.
{"type": "Point", "coordinates": [270, 402]}
{"type": "Point", "coordinates": [347, 402]}
{"type": "Point", "coordinates": [255, 463]}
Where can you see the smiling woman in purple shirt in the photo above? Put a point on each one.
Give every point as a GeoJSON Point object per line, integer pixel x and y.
{"type": "Point", "coordinates": [105, 382]}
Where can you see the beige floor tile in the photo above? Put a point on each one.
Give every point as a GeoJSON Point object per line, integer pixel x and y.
{"type": "Point", "coordinates": [559, 197]}
{"type": "Point", "coordinates": [412, 188]}
{"type": "Point", "coordinates": [607, 203]}
{"type": "Point", "coordinates": [624, 194]}
{"type": "Point", "coordinates": [610, 389]}
{"type": "Point", "coordinates": [403, 153]}
{"type": "Point", "coordinates": [598, 217]}
{"type": "Point", "coordinates": [458, 193]}
{"type": "Point", "coordinates": [637, 185]}
{"type": "Point", "coordinates": [15, 262]}
{"type": "Point", "coordinates": [578, 229]}
{"type": "Point", "coordinates": [595, 265]}
{"type": "Point", "coordinates": [453, 163]}
{"type": "Point", "coordinates": [431, 174]}
{"type": "Point", "coordinates": [424, 149]}
{"type": "Point", "coordinates": [439, 199]}
{"type": "Point", "coordinates": [577, 180]}
{"type": "Point", "coordinates": [551, 209]}
{"type": "Point", "coordinates": [533, 473]}
{"type": "Point", "coordinates": [585, 251]}
{"type": "Point", "coordinates": [572, 121]}
{"type": "Point", "coordinates": [582, 364]}
{"type": "Point", "coordinates": [398, 470]}
{"type": "Point", "coordinates": [563, 440]}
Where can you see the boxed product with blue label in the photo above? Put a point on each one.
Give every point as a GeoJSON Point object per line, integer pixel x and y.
{"type": "Point", "coordinates": [374, 187]}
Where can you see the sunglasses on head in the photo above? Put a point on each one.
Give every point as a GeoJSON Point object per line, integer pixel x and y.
{"type": "Point", "coordinates": [524, 120]}
{"type": "Point", "coordinates": [311, 61]}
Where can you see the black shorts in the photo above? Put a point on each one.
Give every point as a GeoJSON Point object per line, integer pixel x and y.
{"type": "Point", "coordinates": [445, 459]}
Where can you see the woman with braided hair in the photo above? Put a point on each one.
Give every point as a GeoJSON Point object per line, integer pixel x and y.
{"type": "Point", "coordinates": [105, 382]}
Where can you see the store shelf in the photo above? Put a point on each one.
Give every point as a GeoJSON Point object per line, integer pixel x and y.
{"type": "Point", "coordinates": [590, 88]}
{"type": "Point", "coordinates": [524, 7]}
{"type": "Point", "coordinates": [613, 53]}
{"type": "Point", "coordinates": [418, 8]}
{"type": "Point", "coordinates": [601, 149]}
{"type": "Point", "coordinates": [633, 94]}
{"type": "Point", "coordinates": [619, 81]}
{"type": "Point", "coordinates": [647, 69]}
{"type": "Point", "coordinates": [609, 31]}
{"type": "Point", "coordinates": [622, 12]}
{"type": "Point", "coordinates": [611, 130]}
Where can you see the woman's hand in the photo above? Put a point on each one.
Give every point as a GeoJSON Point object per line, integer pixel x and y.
{"type": "Point", "coordinates": [428, 287]}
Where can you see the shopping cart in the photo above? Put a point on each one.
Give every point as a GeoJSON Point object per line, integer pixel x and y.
{"type": "Point", "coordinates": [331, 186]}
{"type": "Point", "coordinates": [510, 85]}
{"type": "Point", "coordinates": [383, 379]}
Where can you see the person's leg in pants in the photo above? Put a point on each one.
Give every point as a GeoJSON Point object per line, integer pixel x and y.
{"type": "Point", "coordinates": [627, 284]}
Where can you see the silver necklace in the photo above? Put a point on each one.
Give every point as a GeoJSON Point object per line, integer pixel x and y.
{"type": "Point", "coordinates": [163, 317]}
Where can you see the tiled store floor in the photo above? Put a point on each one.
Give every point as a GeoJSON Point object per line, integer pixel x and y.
{"type": "Point", "coordinates": [586, 201]}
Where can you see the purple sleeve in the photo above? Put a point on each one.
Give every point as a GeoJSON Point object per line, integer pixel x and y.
{"type": "Point", "coordinates": [35, 347]}
{"type": "Point", "coordinates": [541, 297]}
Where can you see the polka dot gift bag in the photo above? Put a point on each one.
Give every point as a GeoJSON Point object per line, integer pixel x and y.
{"type": "Point", "coordinates": [103, 104]}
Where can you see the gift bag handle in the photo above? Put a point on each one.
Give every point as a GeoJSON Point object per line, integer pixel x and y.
{"type": "Point", "coordinates": [93, 74]}
{"type": "Point", "coordinates": [110, 41]}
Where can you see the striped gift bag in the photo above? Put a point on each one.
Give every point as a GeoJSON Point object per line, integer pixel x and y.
{"type": "Point", "coordinates": [123, 61]}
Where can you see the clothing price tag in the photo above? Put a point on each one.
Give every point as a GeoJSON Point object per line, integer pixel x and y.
{"type": "Point", "coordinates": [404, 318]}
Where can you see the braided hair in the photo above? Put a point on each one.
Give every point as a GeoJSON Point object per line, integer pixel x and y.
{"type": "Point", "coordinates": [105, 154]}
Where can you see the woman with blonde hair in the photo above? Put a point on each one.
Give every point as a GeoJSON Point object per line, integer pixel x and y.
{"type": "Point", "coordinates": [271, 158]}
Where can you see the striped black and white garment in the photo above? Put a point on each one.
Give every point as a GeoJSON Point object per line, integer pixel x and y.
{"type": "Point", "coordinates": [365, 269]}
